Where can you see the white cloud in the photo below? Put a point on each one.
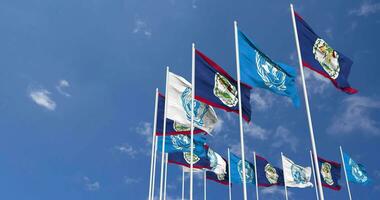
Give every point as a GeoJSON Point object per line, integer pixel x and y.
{"type": "Point", "coordinates": [271, 191]}
{"type": "Point", "coordinates": [255, 131]}
{"type": "Point", "coordinates": [127, 149]}
{"type": "Point", "coordinates": [194, 4]}
{"type": "Point", "coordinates": [129, 180]}
{"type": "Point", "coordinates": [62, 84]}
{"type": "Point", "coordinates": [142, 27]}
{"type": "Point", "coordinates": [145, 129]}
{"type": "Point", "coordinates": [315, 82]}
{"type": "Point", "coordinates": [91, 185]}
{"type": "Point", "coordinates": [283, 137]}
{"type": "Point", "coordinates": [41, 97]}
{"type": "Point", "coordinates": [366, 8]}
{"type": "Point", "coordinates": [261, 100]}
{"type": "Point", "coordinates": [356, 116]}
{"type": "Point", "coordinates": [218, 127]}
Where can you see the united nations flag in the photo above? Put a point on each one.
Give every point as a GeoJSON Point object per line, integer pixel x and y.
{"type": "Point", "coordinates": [296, 175]}
{"type": "Point", "coordinates": [330, 173]}
{"type": "Point", "coordinates": [258, 70]}
{"type": "Point", "coordinates": [267, 174]}
{"type": "Point", "coordinates": [237, 170]}
{"type": "Point", "coordinates": [355, 172]}
{"type": "Point", "coordinates": [181, 143]}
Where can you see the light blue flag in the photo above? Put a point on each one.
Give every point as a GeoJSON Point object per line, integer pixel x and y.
{"type": "Point", "coordinates": [355, 172]}
{"type": "Point", "coordinates": [181, 143]}
{"type": "Point", "coordinates": [237, 170]}
{"type": "Point", "coordinates": [258, 70]}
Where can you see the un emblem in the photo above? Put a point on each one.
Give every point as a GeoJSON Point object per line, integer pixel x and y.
{"type": "Point", "coordinates": [327, 57]}
{"type": "Point", "coordinates": [225, 91]}
{"type": "Point", "coordinates": [188, 159]}
{"type": "Point", "coordinates": [272, 77]}
{"type": "Point", "coordinates": [358, 172]}
{"type": "Point", "coordinates": [298, 174]}
{"type": "Point", "coordinates": [326, 173]}
{"type": "Point", "coordinates": [249, 173]}
{"type": "Point", "coordinates": [271, 174]}
{"type": "Point", "coordinates": [181, 142]}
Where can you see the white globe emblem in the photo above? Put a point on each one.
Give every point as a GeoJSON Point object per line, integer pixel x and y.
{"type": "Point", "coordinates": [271, 75]}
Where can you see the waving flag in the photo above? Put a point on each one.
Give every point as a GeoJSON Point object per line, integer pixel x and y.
{"type": "Point", "coordinates": [330, 173]}
{"type": "Point", "coordinates": [218, 167]}
{"type": "Point", "coordinates": [258, 70]}
{"type": "Point", "coordinates": [296, 175]}
{"type": "Point", "coordinates": [355, 172]}
{"type": "Point", "coordinates": [172, 127]}
{"type": "Point", "coordinates": [181, 143]}
{"type": "Point", "coordinates": [267, 174]}
{"type": "Point", "coordinates": [320, 57]}
{"type": "Point", "coordinates": [217, 88]}
{"type": "Point", "coordinates": [215, 177]}
{"type": "Point", "coordinates": [184, 159]}
{"type": "Point", "coordinates": [179, 105]}
{"type": "Point", "coordinates": [237, 170]}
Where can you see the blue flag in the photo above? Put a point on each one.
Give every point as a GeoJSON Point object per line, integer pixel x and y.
{"type": "Point", "coordinates": [320, 57]}
{"type": "Point", "coordinates": [172, 127]}
{"type": "Point", "coordinates": [355, 172]}
{"type": "Point", "coordinates": [184, 159]}
{"type": "Point", "coordinates": [330, 173]}
{"type": "Point", "coordinates": [237, 170]}
{"type": "Point", "coordinates": [217, 88]}
{"type": "Point", "coordinates": [258, 70]}
{"type": "Point", "coordinates": [181, 143]}
{"type": "Point", "coordinates": [267, 174]}
{"type": "Point", "coordinates": [214, 177]}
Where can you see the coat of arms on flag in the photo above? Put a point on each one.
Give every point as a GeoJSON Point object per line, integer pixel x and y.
{"type": "Point", "coordinates": [330, 173]}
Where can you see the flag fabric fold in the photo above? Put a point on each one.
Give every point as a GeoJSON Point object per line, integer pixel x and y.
{"type": "Point", "coordinates": [215, 87]}
{"type": "Point", "coordinates": [218, 167]}
{"type": "Point", "coordinates": [320, 57]}
{"type": "Point", "coordinates": [258, 70]}
{"type": "Point", "coordinates": [237, 170]}
{"type": "Point", "coordinates": [179, 105]}
{"type": "Point", "coordinates": [296, 175]}
{"type": "Point", "coordinates": [355, 172]}
{"type": "Point", "coordinates": [330, 173]}
{"type": "Point", "coordinates": [267, 174]}
{"type": "Point", "coordinates": [172, 127]}
{"type": "Point", "coordinates": [181, 143]}
{"type": "Point", "coordinates": [184, 159]}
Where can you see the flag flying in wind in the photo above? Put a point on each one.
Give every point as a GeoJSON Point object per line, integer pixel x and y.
{"type": "Point", "coordinates": [320, 57]}
{"type": "Point", "coordinates": [237, 170]}
{"type": "Point", "coordinates": [355, 172]}
{"type": "Point", "coordinates": [258, 70]}
{"type": "Point", "coordinates": [330, 173]}
{"type": "Point", "coordinates": [296, 175]}
{"type": "Point", "coordinates": [217, 88]}
{"type": "Point", "coordinates": [181, 143]}
{"type": "Point", "coordinates": [184, 159]}
{"type": "Point", "coordinates": [172, 127]}
{"type": "Point", "coordinates": [267, 174]}
{"type": "Point", "coordinates": [179, 105]}
{"type": "Point", "coordinates": [218, 167]}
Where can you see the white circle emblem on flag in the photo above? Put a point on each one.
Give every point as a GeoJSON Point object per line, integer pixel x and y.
{"type": "Point", "coordinates": [326, 173]}
{"type": "Point", "coordinates": [180, 142]}
{"type": "Point", "coordinates": [357, 172]}
{"type": "Point", "coordinates": [272, 77]}
{"type": "Point", "coordinates": [327, 57]}
{"type": "Point", "coordinates": [225, 91]}
{"type": "Point", "coordinates": [299, 174]}
{"type": "Point", "coordinates": [249, 173]}
{"type": "Point", "coordinates": [271, 174]}
{"type": "Point", "coordinates": [187, 157]}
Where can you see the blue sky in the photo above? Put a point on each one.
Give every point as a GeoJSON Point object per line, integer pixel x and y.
{"type": "Point", "coordinates": [78, 78]}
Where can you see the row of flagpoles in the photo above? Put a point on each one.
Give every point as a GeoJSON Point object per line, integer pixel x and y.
{"type": "Point", "coordinates": [188, 108]}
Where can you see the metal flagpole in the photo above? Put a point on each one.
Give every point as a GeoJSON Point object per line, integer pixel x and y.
{"type": "Point", "coordinates": [183, 184]}
{"type": "Point", "coordinates": [192, 118]}
{"type": "Point", "coordinates": [345, 172]}
{"type": "Point", "coordinates": [164, 135]}
{"type": "Point", "coordinates": [153, 145]}
{"type": "Point", "coordinates": [240, 111]}
{"type": "Point", "coordinates": [314, 148]}
{"type": "Point", "coordinates": [204, 185]}
{"type": "Point", "coordinates": [286, 190]}
{"type": "Point", "coordinates": [257, 184]}
{"type": "Point", "coordinates": [154, 166]}
{"type": "Point", "coordinates": [166, 174]}
{"type": "Point", "coordinates": [229, 176]}
{"type": "Point", "coordinates": [315, 180]}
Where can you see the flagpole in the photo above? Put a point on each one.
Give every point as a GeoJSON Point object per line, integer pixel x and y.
{"type": "Point", "coordinates": [315, 180]}
{"type": "Point", "coordinates": [153, 145]}
{"type": "Point", "coordinates": [240, 111]}
{"type": "Point", "coordinates": [229, 176]}
{"type": "Point", "coordinates": [257, 184]}
{"type": "Point", "coordinates": [286, 190]}
{"type": "Point", "coordinates": [204, 185]}
{"type": "Point", "coordinates": [154, 167]}
{"type": "Point", "coordinates": [183, 184]}
{"type": "Point", "coordinates": [164, 135]}
{"type": "Point", "coordinates": [314, 148]}
{"type": "Point", "coordinates": [166, 174]}
{"type": "Point", "coordinates": [192, 118]}
{"type": "Point", "coordinates": [345, 172]}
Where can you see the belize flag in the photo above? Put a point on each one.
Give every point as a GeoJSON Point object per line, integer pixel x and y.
{"type": "Point", "coordinates": [330, 173]}
{"type": "Point", "coordinates": [184, 159]}
{"type": "Point", "coordinates": [320, 57]}
{"type": "Point", "coordinates": [172, 127]}
{"type": "Point", "coordinates": [355, 172]}
{"type": "Point", "coordinates": [218, 167]}
{"type": "Point", "coordinates": [237, 170]}
{"type": "Point", "coordinates": [258, 70]}
{"type": "Point", "coordinates": [217, 88]}
{"type": "Point", "coordinates": [181, 143]}
{"type": "Point", "coordinates": [217, 178]}
{"type": "Point", "coordinates": [267, 174]}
